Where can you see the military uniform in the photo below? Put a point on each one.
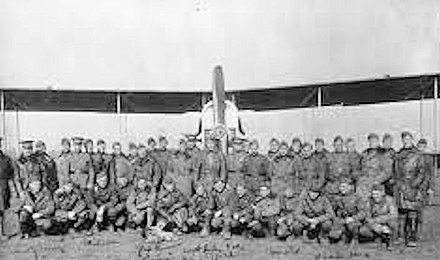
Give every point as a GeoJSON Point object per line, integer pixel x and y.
{"type": "Point", "coordinates": [389, 155]}
{"type": "Point", "coordinates": [374, 163]}
{"type": "Point", "coordinates": [29, 167]}
{"type": "Point", "coordinates": [121, 166]}
{"type": "Point", "coordinates": [222, 217]}
{"type": "Point", "coordinates": [163, 157]}
{"type": "Point", "coordinates": [411, 175]}
{"type": "Point", "coordinates": [118, 214]}
{"type": "Point", "coordinates": [256, 171]}
{"type": "Point", "coordinates": [319, 209]}
{"type": "Point", "coordinates": [62, 168]}
{"type": "Point", "coordinates": [242, 210]}
{"type": "Point", "coordinates": [234, 161]}
{"type": "Point", "coordinates": [180, 168]}
{"type": "Point", "coordinates": [285, 222]}
{"type": "Point", "coordinates": [172, 207]}
{"type": "Point", "coordinates": [266, 213]}
{"type": "Point", "coordinates": [201, 210]}
{"type": "Point", "coordinates": [140, 204]}
{"type": "Point", "coordinates": [148, 168]}
{"type": "Point", "coordinates": [101, 201]}
{"type": "Point", "coordinates": [338, 166]}
{"type": "Point", "coordinates": [41, 203]}
{"type": "Point", "coordinates": [211, 167]}
{"type": "Point", "coordinates": [308, 169]}
{"type": "Point", "coordinates": [282, 174]}
{"type": "Point", "coordinates": [49, 167]}
{"type": "Point", "coordinates": [80, 170]}
{"type": "Point", "coordinates": [68, 203]}
{"type": "Point", "coordinates": [321, 156]}
{"type": "Point", "coordinates": [101, 165]}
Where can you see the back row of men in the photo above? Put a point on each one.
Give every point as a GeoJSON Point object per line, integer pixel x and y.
{"type": "Point", "coordinates": [291, 190]}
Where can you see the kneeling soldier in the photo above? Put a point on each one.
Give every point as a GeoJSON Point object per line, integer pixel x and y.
{"type": "Point", "coordinates": [266, 213]}
{"type": "Point", "coordinates": [71, 207]}
{"type": "Point", "coordinates": [243, 208]}
{"type": "Point", "coordinates": [118, 214]}
{"type": "Point", "coordinates": [172, 207]}
{"type": "Point", "coordinates": [101, 199]}
{"type": "Point", "coordinates": [350, 210]}
{"type": "Point", "coordinates": [140, 204]}
{"type": "Point", "coordinates": [289, 202]}
{"type": "Point", "coordinates": [37, 210]}
{"type": "Point", "coordinates": [382, 216]}
{"type": "Point", "coordinates": [201, 209]}
{"type": "Point", "coordinates": [314, 213]}
{"type": "Point", "coordinates": [222, 198]}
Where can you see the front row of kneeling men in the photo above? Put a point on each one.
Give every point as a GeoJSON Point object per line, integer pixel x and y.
{"type": "Point", "coordinates": [223, 209]}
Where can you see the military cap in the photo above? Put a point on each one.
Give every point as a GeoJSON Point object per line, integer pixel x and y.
{"type": "Point", "coordinates": [100, 141]}
{"type": "Point", "coordinates": [338, 138]}
{"type": "Point", "coordinates": [253, 141]}
{"type": "Point", "coordinates": [378, 187]}
{"type": "Point", "coordinates": [347, 180]}
{"type": "Point", "coordinates": [39, 144]}
{"type": "Point", "coordinates": [88, 141]}
{"type": "Point", "coordinates": [372, 136]}
{"type": "Point", "coordinates": [316, 186]}
{"type": "Point", "coordinates": [132, 145]}
{"type": "Point", "coordinates": [150, 140]}
{"type": "Point", "coordinates": [423, 141]}
{"type": "Point", "coordinates": [387, 136]}
{"type": "Point", "coordinates": [141, 146]}
{"type": "Point", "coordinates": [116, 144]}
{"type": "Point", "coordinates": [65, 141]}
{"type": "Point", "coordinates": [306, 144]}
{"type": "Point", "coordinates": [77, 140]}
{"type": "Point", "coordinates": [192, 138]}
{"type": "Point", "coordinates": [296, 140]}
{"type": "Point", "coordinates": [101, 175]}
{"type": "Point", "coordinates": [274, 140]}
{"type": "Point", "coordinates": [27, 144]}
{"type": "Point", "coordinates": [237, 140]}
{"type": "Point", "coordinates": [162, 138]}
{"type": "Point", "coordinates": [168, 180]}
{"type": "Point", "coordinates": [284, 143]}
{"type": "Point", "coordinates": [406, 133]}
{"type": "Point", "coordinates": [350, 140]}
{"type": "Point", "coordinates": [319, 140]}
{"type": "Point", "coordinates": [35, 177]}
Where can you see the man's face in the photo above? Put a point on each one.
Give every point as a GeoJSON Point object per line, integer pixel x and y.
{"type": "Point", "coordinates": [122, 181]}
{"type": "Point", "coordinates": [117, 150]}
{"type": "Point", "coordinates": [388, 143]}
{"type": "Point", "coordinates": [76, 148]}
{"type": "Point", "coordinates": [27, 151]}
{"type": "Point", "coordinates": [307, 151]}
{"type": "Point", "coordinates": [152, 145]}
{"type": "Point", "coordinates": [210, 145]}
{"type": "Point", "coordinates": [296, 147]}
{"type": "Point", "coordinates": [241, 190]}
{"type": "Point", "coordinates": [219, 186]}
{"type": "Point", "coordinates": [338, 145]}
{"type": "Point", "coordinates": [264, 192]}
{"type": "Point", "coordinates": [102, 147]}
{"type": "Point", "coordinates": [319, 146]}
{"type": "Point", "coordinates": [191, 144]}
{"type": "Point", "coordinates": [142, 152]}
{"type": "Point", "coordinates": [40, 149]}
{"type": "Point", "coordinates": [274, 146]}
{"type": "Point", "coordinates": [65, 147]}
{"type": "Point", "coordinates": [377, 195]}
{"type": "Point", "coordinates": [89, 147]}
{"type": "Point", "coordinates": [407, 141]}
{"type": "Point", "coordinates": [200, 190]}
{"type": "Point", "coordinates": [68, 187]}
{"type": "Point", "coordinates": [182, 146]}
{"type": "Point", "coordinates": [163, 144]}
{"type": "Point", "coordinates": [142, 184]}
{"type": "Point", "coordinates": [102, 181]}
{"type": "Point", "coordinates": [422, 147]}
{"type": "Point", "coordinates": [344, 188]}
{"type": "Point", "coordinates": [253, 149]}
{"type": "Point", "coordinates": [35, 186]}
{"type": "Point", "coordinates": [351, 146]}
{"type": "Point", "coordinates": [373, 142]}
{"type": "Point", "coordinates": [283, 150]}
{"type": "Point", "coordinates": [169, 186]}
{"type": "Point", "coordinates": [133, 151]}
{"type": "Point", "coordinates": [313, 194]}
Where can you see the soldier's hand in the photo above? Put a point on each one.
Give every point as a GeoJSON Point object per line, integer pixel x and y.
{"type": "Point", "coordinates": [71, 215]}
{"type": "Point", "coordinates": [37, 215]}
{"type": "Point", "coordinates": [236, 216]}
{"type": "Point", "coordinates": [218, 214]}
{"type": "Point", "coordinates": [28, 208]}
{"type": "Point", "coordinates": [313, 222]}
{"type": "Point", "coordinates": [349, 220]}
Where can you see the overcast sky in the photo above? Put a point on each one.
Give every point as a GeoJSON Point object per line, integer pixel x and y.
{"type": "Point", "coordinates": [173, 45]}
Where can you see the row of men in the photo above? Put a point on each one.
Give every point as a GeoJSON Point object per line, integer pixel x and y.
{"type": "Point", "coordinates": [284, 168]}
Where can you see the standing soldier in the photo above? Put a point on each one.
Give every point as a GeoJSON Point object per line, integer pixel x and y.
{"type": "Point", "coordinates": [48, 166]}
{"type": "Point", "coordinates": [234, 161]}
{"type": "Point", "coordinates": [163, 155]}
{"type": "Point", "coordinates": [180, 169]}
{"type": "Point", "coordinates": [411, 175]}
{"type": "Point", "coordinates": [372, 163]}
{"type": "Point", "coordinates": [338, 166]}
{"type": "Point", "coordinates": [282, 171]}
{"type": "Point", "coordinates": [192, 148]}
{"type": "Point", "coordinates": [146, 167]}
{"type": "Point", "coordinates": [151, 147]}
{"type": "Point", "coordinates": [381, 216]}
{"type": "Point", "coordinates": [88, 146]}
{"type": "Point", "coordinates": [308, 169]}
{"type": "Point", "coordinates": [28, 166]}
{"type": "Point", "coordinates": [255, 168]}
{"type": "Point", "coordinates": [429, 184]}
{"type": "Point", "coordinates": [212, 164]}
{"type": "Point", "coordinates": [350, 210]}
{"type": "Point", "coordinates": [320, 152]}
{"type": "Point", "coordinates": [132, 152]}
{"type": "Point", "coordinates": [389, 155]}
{"type": "Point", "coordinates": [70, 208]}
{"type": "Point", "coordinates": [140, 205]}
{"type": "Point", "coordinates": [353, 156]}
{"type": "Point", "coordinates": [7, 180]}
{"type": "Point", "coordinates": [36, 214]}
{"type": "Point", "coordinates": [80, 170]}
{"type": "Point", "coordinates": [101, 160]}
{"type": "Point", "coordinates": [295, 149]}
{"type": "Point", "coordinates": [119, 165]}
{"type": "Point", "coordinates": [314, 213]}
{"type": "Point", "coordinates": [62, 163]}
{"type": "Point", "coordinates": [274, 146]}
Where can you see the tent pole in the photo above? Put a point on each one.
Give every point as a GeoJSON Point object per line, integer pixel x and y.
{"type": "Point", "coordinates": [17, 130]}
{"type": "Point", "coordinates": [421, 115]}
{"type": "Point", "coordinates": [319, 96]}
{"type": "Point", "coordinates": [2, 108]}
{"type": "Point", "coordinates": [118, 112]}
{"type": "Point", "coordinates": [435, 121]}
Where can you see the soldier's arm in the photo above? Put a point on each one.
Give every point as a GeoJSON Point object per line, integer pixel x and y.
{"type": "Point", "coordinates": [131, 206]}
{"type": "Point", "coordinates": [157, 174]}
{"type": "Point", "coordinates": [49, 207]}
{"type": "Point", "coordinates": [80, 205]}
{"type": "Point", "coordinates": [329, 213]}
{"type": "Point", "coordinates": [112, 171]}
{"type": "Point", "coordinates": [420, 173]}
{"type": "Point", "coordinates": [391, 215]}
{"type": "Point", "coordinates": [362, 210]}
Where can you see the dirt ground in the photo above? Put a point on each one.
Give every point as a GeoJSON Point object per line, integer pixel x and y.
{"type": "Point", "coordinates": [129, 245]}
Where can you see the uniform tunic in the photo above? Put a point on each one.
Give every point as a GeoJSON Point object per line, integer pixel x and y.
{"type": "Point", "coordinates": [338, 166]}
{"type": "Point", "coordinates": [211, 167]}
{"type": "Point", "coordinates": [256, 171]}
{"type": "Point", "coordinates": [180, 169]}
{"type": "Point", "coordinates": [149, 169]}
{"type": "Point", "coordinates": [308, 170]}
{"type": "Point", "coordinates": [80, 170]}
{"type": "Point", "coordinates": [234, 162]}
{"type": "Point", "coordinates": [282, 174]}
{"type": "Point", "coordinates": [374, 165]}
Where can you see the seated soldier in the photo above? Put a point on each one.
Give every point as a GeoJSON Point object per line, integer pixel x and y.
{"type": "Point", "coordinates": [201, 209]}
{"type": "Point", "coordinates": [350, 211]}
{"type": "Point", "coordinates": [101, 199]}
{"type": "Point", "coordinates": [140, 205]}
{"type": "Point", "coordinates": [118, 214]}
{"type": "Point", "coordinates": [266, 213]}
{"type": "Point", "coordinates": [70, 208]}
{"type": "Point", "coordinates": [222, 198]}
{"type": "Point", "coordinates": [381, 221]}
{"type": "Point", "coordinates": [38, 207]}
{"type": "Point", "coordinates": [314, 213]}
{"type": "Point", "coordinates": [243, 208]}
{"type": "Point", "coordinates": [289, 202]}
{"type": "Point", "coordinates": [171, 207]}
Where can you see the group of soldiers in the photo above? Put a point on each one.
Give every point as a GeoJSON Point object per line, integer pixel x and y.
{"type": "Point", "coordinates": [298, 190]}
